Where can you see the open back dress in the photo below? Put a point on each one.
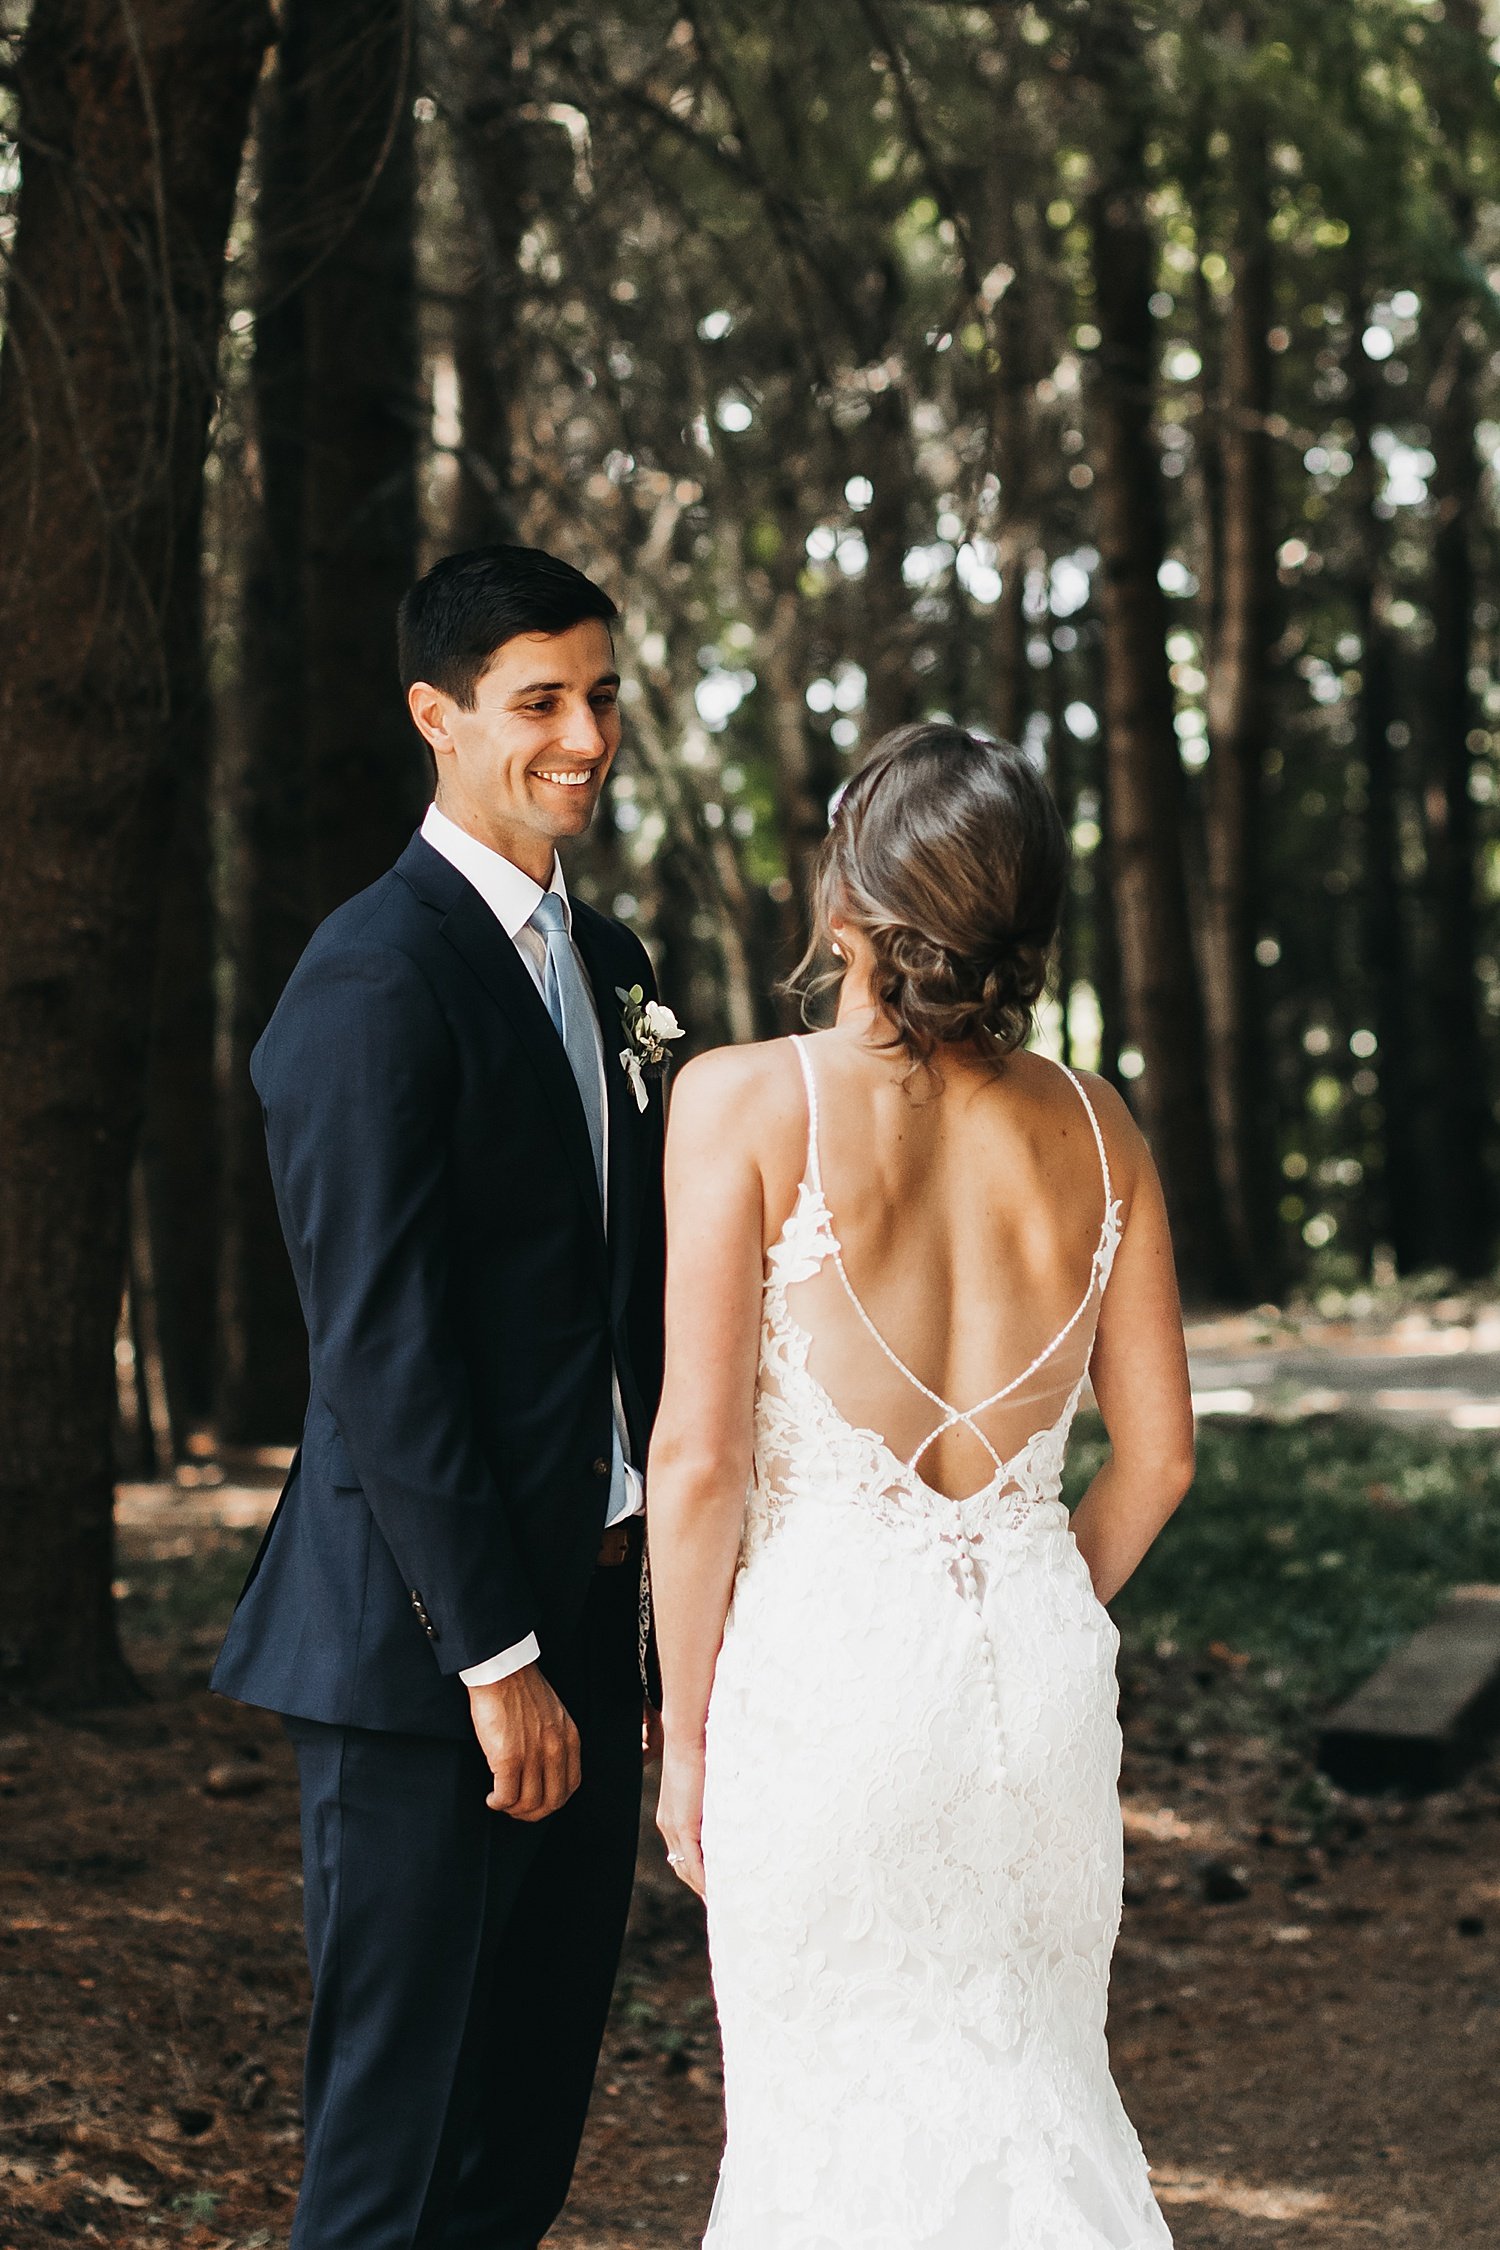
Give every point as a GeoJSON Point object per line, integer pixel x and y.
{"type": "Point", "coordinates": [911, 1827]}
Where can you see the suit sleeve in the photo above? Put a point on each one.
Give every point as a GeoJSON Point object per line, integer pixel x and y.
{"type": "Point", "coordinates": [357, 1081]}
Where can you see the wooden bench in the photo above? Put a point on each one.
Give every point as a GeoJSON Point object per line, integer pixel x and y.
{"type": "Point", "coordinates": [1429, 1711]}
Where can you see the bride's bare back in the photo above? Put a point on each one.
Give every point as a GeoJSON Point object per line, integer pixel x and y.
{"type": "Point", "coordinates": [972, 1210]}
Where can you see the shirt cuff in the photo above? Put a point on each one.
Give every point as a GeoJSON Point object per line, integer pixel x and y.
{"type": "Point", "coordinates": [500, 1667]}
{"type": "Point", "coordinates": [633, 1500]}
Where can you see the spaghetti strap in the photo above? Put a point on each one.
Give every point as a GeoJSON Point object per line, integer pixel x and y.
{"type": "Point", "coordinates": [1098, 1141]}
{"type": "Point", "coordinates": [813, 1171]}
{"type": "Point", "coordinates": [1082, 1092]}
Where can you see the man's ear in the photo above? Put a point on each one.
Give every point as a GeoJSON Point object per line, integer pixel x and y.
{"type": "Point", "coordinates": [429, 709]}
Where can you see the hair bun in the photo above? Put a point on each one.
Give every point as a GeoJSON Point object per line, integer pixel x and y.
{"type": "Point", "coordinates": [950, 857]}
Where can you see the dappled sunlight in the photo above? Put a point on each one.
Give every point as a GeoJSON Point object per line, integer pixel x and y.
{"type": "Point", "coordinates": [1174, 2185]}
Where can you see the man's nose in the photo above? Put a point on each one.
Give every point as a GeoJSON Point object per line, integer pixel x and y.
{"type": "Point", "coordinates": [581, 733]}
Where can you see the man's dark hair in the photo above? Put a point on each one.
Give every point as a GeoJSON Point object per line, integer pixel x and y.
{"type": "Point", "coordinates": [452, 621]}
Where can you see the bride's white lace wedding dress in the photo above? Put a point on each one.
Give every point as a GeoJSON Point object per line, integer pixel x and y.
{"type": "Point", "coordinates": [911, 1829]}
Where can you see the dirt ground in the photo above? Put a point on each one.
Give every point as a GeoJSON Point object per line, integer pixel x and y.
{"type": "Point", "coordinates": [1305, 2015]}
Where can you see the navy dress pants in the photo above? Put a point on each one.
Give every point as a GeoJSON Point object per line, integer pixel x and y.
{"type": "Point", "coordinates": [462, 1965]}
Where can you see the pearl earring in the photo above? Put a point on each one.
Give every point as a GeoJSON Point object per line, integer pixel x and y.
{"type": "Point", "coordinates": [838, 952]}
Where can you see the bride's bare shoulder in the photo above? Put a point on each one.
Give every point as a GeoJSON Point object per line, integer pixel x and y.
{"type": "Point", "coordinates": [1124, 1144]}
{"type": "Point", "coordinates": [748, 1092]}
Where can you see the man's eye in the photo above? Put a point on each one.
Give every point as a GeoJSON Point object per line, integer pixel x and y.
{"type": "Point", "coordinates": [607, 701]}
{"type": "Point", "coordinates": [545, 704]}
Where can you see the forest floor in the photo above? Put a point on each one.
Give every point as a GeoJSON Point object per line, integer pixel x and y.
{"type": "Point", "coordinates": [1305, 2013]}
{"type": "Point", "coordinates": [1372, 1353]}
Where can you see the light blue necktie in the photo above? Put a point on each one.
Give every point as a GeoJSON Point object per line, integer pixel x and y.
{"type": "Point", "coordinates": [569, 1006]}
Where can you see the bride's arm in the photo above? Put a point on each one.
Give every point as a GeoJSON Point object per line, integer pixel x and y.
{"type": "Point", "coordinates": [702, 1445]}
{"type": "Point", "coordinates": [1140, 1376]}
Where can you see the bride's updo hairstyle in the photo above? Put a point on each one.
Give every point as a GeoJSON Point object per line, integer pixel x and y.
{"type": "Point", "coordinates": [949, 855]}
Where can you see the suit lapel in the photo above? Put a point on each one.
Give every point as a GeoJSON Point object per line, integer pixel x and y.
{"type": "Point", "coordinates": [591, 936]}
{"type": "Point", "coordinates": [475, 935]}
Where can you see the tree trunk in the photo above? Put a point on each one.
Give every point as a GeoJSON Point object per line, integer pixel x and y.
{"type": "Point", "coordinates": [131, 125]}
{"type": "Point", "coordinates": [806, 763]}
{"type": "Point", "coordinates": [262, 1376]}
{"type": "Point", "coordinates": [892, 694]}
{"type": "Point", "coordinates": [179, 1142]}
{"type": "Point", "coordinates": [1239, 737]}
{"type": "Point", "coordinates": [1464, 1213]}
{"type": "Point", "coordinates": [1104, 946]}
{"type": "Point", "coordinates": [1024, 351]}
{"type": "Point", "coordinates": [1163, 1006]}
{"type": "Point", "coordinates": [483, 96]}
{"type": "Point", "coordinates": [367, 779]}
{"type": "Point", "coordinates": [1384, 899]}
{"type": "Point", "coordinates": [1062, 764]}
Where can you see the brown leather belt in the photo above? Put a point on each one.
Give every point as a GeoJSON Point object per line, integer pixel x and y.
{"type": "Point", "coordinates": [619, 1543]}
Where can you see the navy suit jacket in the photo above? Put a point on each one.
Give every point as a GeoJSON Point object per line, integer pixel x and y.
{"type": "Point", "coordinates": [437, 1192]}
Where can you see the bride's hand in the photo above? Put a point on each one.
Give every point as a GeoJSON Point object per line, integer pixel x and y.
{"type": "Point", "coordinates": [679, 1812]}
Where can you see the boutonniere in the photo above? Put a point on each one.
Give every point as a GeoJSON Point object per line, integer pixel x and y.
{"type": "Point", "coordinates": [649, 1027]}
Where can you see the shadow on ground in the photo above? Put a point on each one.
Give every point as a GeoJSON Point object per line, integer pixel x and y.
{"type": "Point", "coordinates": [1305, 2014]}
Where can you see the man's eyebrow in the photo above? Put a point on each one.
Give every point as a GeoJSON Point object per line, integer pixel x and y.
{"type": "Point", "coordinates": [557, 687]}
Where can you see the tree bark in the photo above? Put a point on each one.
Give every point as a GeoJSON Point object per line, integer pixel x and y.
{"type": "Point", "coordinates": [1062, 773]}
{"type": "Point", "coordinates": [262, 1374]}
{"type": "Point", "coordinates": [1384, 888]}
{"type": "Point", "coordinates": [1464, 1228]}
{"type": "Point", "coordinates": [1025, 349]}
{"type": "Point", "coordinates": [1163, 1005]}
{"type": "Point", "coordinates": [892, 695]}
{"type": "Point", "coordinates": [807, 765]}
{"type": "Point", "coordinates": [1239, 710]}
{"type": "Point", "coordinates": [483, 94]}
{"type": "Point", "coordinates": [131, 125]}
{"type": "Point", "coordinates": [367, 779]}
{"type": "Point", "coordinates": [179, 1142]}
{"type": "Point", "coordinates": [1104, 942]}
{"type": "Point", "coordinates": [1464, 1206]}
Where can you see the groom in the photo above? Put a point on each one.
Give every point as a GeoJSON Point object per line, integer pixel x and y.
{"type": "Point", "coordinates": [445, 1607]}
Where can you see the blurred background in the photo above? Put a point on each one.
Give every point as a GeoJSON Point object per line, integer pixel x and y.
{"type": "Point", "coordinates": [1120, 379]}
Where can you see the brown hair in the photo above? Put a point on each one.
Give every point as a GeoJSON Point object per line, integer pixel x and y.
{"type": "Point", "coordinates": [948, 854]}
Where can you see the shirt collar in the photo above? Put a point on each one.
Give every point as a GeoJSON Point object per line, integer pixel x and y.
{"type": "Point", "coordinates": [510, 894]}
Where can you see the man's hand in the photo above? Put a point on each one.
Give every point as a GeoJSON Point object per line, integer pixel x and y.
{"type": "Point", "coordinates": [530, 1743]}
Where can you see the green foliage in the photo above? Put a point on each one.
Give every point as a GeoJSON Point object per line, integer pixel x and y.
{"type": "Point", "coordinates": [1312, 1548]}
{"type": "Point", "coordinates": [770, 328]}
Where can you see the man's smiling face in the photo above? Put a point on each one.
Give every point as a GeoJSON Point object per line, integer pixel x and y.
{"type": "Point", "coordinates": [524, 768]}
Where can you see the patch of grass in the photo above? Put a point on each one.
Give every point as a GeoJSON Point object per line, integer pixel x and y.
{"type": "Point", "coordinates": [1312, 1548]}
{"type": "Point", "coordinates": [185, 1598]}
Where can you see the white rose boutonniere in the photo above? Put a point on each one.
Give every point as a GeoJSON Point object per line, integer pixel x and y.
{"type": "Point", "coordinates": [649, 1027]}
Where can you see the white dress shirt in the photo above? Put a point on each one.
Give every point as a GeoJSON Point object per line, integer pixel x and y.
{"type": "Point", "coordinates": [512, 897]}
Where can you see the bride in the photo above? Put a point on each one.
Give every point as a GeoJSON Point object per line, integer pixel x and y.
{"type": "Point", "coordinates": [897, 1248]}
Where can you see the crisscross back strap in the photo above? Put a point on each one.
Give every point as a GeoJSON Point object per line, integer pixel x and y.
{"type": "Point", "coordinates": [954, 1417]}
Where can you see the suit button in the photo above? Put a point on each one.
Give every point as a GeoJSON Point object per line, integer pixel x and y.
{"type": "Point", "coordinates": [431, 1632]}
{"type": "Point", "coordinates": [601, 1468]}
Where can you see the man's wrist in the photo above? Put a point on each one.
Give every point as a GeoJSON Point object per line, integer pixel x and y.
{"type": "Point", "coordinates": [497, 1668]}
